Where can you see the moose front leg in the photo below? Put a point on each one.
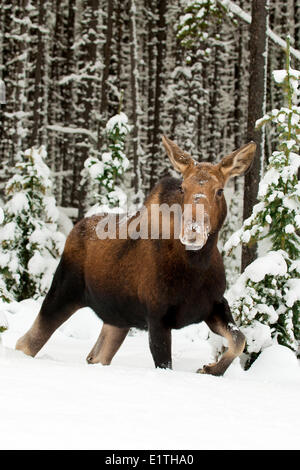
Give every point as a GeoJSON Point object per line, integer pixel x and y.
{"type": "Point", "coordinates": [222, 323]}
{"type": "Point", "coordinates": [160, 344]}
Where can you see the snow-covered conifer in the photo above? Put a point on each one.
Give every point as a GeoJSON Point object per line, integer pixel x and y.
{"type": "Point", "coordinates": [197, 18]}
{"type": "Point", "coordinates": [266, 298]}
{"type": "Point", "coordinates": [105, 172]}
{"type": "Point", "coordinates": [4, 294]}
{"type": "Point", "coordinates": [29, 240]}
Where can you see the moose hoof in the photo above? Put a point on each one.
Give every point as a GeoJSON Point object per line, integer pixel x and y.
{"type": "Point", "coordinates": [96, 360]}
{"type": "Point", "coordinates": [210, 369]}
{"type": "Point", "coordinates": [23, 346]}
{"type": "Point", "coordinates": [90, 360]}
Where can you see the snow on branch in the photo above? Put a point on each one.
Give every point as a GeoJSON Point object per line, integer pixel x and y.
{"type": "Point", "coordinates": [72, 130]}
{"type": "Point", "coordinates": [246, 17]}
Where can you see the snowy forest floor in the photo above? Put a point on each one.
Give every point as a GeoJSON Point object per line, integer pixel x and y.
{"type": "Point", "coordinates": [57, 401]}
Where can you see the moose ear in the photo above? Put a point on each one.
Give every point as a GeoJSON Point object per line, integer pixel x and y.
{"type": "Point", "coordinates": [180, 160]}
{"type": "Point", "coordinates": [238, 162]}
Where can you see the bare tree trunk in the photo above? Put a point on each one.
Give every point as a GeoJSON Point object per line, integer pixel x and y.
{"type": "Point", "coordinates": [67, 92]}
{"type": "Point", "coordinates": [151, 74]}
{"type": "Point", "coordinates": [87, 93]}
{"type": "Point", "coordinates": [161, 49]}
{"type": "Point", "coordinates": [107, 56]}
{"type": "Point", "coordinates": [238, 69]}
{"type": "Point", "coordinates": [38, 77]}
{"type": "Point", "coordinates": [256, 109]}
{"type": "Point", "coordinates": [214, 111]}
{"type": "Point", "coordinates": [297, 23]}
{"type": "Point", "coordinates": [135, 95]}
{"type": "Point", "coordinates": [238, 108]}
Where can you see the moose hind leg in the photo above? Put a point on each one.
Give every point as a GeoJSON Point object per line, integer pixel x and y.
{"type": "Point", "coordinates": [108, 343]}
{"type": "Point", "coordinates": [222, 323]}
{"type": "Point", "coordinates": [62, 300]}
{"type": "Point", "coordinates": [42, 329]}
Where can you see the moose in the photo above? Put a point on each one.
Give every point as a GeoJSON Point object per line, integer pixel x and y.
{"type": "Point", "coordinates": [153, 284]}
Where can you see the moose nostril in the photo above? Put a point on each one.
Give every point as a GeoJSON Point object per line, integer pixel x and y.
{"type": "Point", "coordinates": [89, 359]}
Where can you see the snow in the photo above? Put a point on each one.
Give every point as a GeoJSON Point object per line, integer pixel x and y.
{"type": "Point", "coordinates": [38, 156]}
{"type": "Point", "coordinates": [279, 75]}
{"type": "Point", "coordinates": [8, 231]}
{"type": "Point", "coordinates": [120, 198]}
{"type": "Point", "coordinates": [18, 203]}
{"type": "Point", "coordinates": [271, 177]}
{"type": "Point", "coordinates": [276, 363]}
{"type": "Point", "coordinates": [268, 310]}
{"type": "Point", "coordinates": [3, 322]}
{"type": "Point", "coordinates": [57, 401]}
{"type": "Point", "coordinates": [273, 263]}
{"type": "Point", "coordinates": [70, 212]}
{"type": "Point", "coordinates": [36, 264]}
{"type": "Point", "coordinates": [106, 157]}
{"type": "Point", "coordinates": [289, 228]}
{"type": "Point", "coordinates": [94, 167]}
{"type": "Point", "coordinates": [258, 336]}
{"type": "Point", "coordinates": [293, 292]}
{"type": "Point", "coordinates": [72, 130]}
{"type": "Point", "coordinates": [268, 219]}
{"type": "Point", "coordinates": [119, 120]}
{"type": "Point", "coordinates": [39, 236]}
{"type": "Point", "coordinates": [50, 208]}
{"type": "Point", "coordinates": [64, 223]}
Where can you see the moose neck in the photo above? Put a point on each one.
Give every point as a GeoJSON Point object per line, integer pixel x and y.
{"type": "Point", "coordinates": [198, 259]}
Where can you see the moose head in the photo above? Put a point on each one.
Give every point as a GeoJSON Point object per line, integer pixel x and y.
{"type": "Point", "coordinates": [202, 190]}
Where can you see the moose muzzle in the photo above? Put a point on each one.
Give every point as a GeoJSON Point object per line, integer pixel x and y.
{"type": "Point", "coordinates": [195, 227]}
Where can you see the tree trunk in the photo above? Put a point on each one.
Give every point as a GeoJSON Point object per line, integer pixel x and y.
{"type": "Point", "coordinates": [150, 91]}
{"type": "Point", "coordinates": [107, 56]}
{"type": "Point", "coordinates": [161, 49]}
{"type": "Point", "coordinates": [89, 49]}
{"type": "Point", "coordinates": [135, 96]}
{"type": "Point", "coordinates": [256, 109]}
{"type": "Point", "coordinates": [38, 77]}
{"type": "Point", "coordinates": [67, 95]}
{"type": "Point", "coordinates": [297, 23]}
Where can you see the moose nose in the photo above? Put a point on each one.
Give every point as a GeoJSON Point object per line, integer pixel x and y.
{"type": "Point", "coordinates": [195, 232]}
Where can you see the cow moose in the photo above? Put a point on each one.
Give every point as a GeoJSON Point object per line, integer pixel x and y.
{"type": "Point", "coordinates": [155, 284]}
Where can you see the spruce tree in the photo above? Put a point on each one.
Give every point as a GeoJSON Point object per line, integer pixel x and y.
{"type": "Point", "coordinates": [29, 240]}
{"type": "Point", "coordinates": [105, 172]}
{"type": "Point", "coordinates": [5, 297]}
{"type": "Point", "coordinates": [199, 14]}
{"type": "Point", "coordinates": [266, 298]}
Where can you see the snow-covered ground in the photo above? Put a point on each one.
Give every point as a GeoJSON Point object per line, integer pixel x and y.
{"type": "Point", "coordinates": [58, 401]}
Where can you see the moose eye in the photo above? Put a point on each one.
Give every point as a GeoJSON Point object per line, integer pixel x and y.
{"type": "Point", "coordinates": [220, 192]}
{"type": "Point", "coordinates": [181, 189]}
